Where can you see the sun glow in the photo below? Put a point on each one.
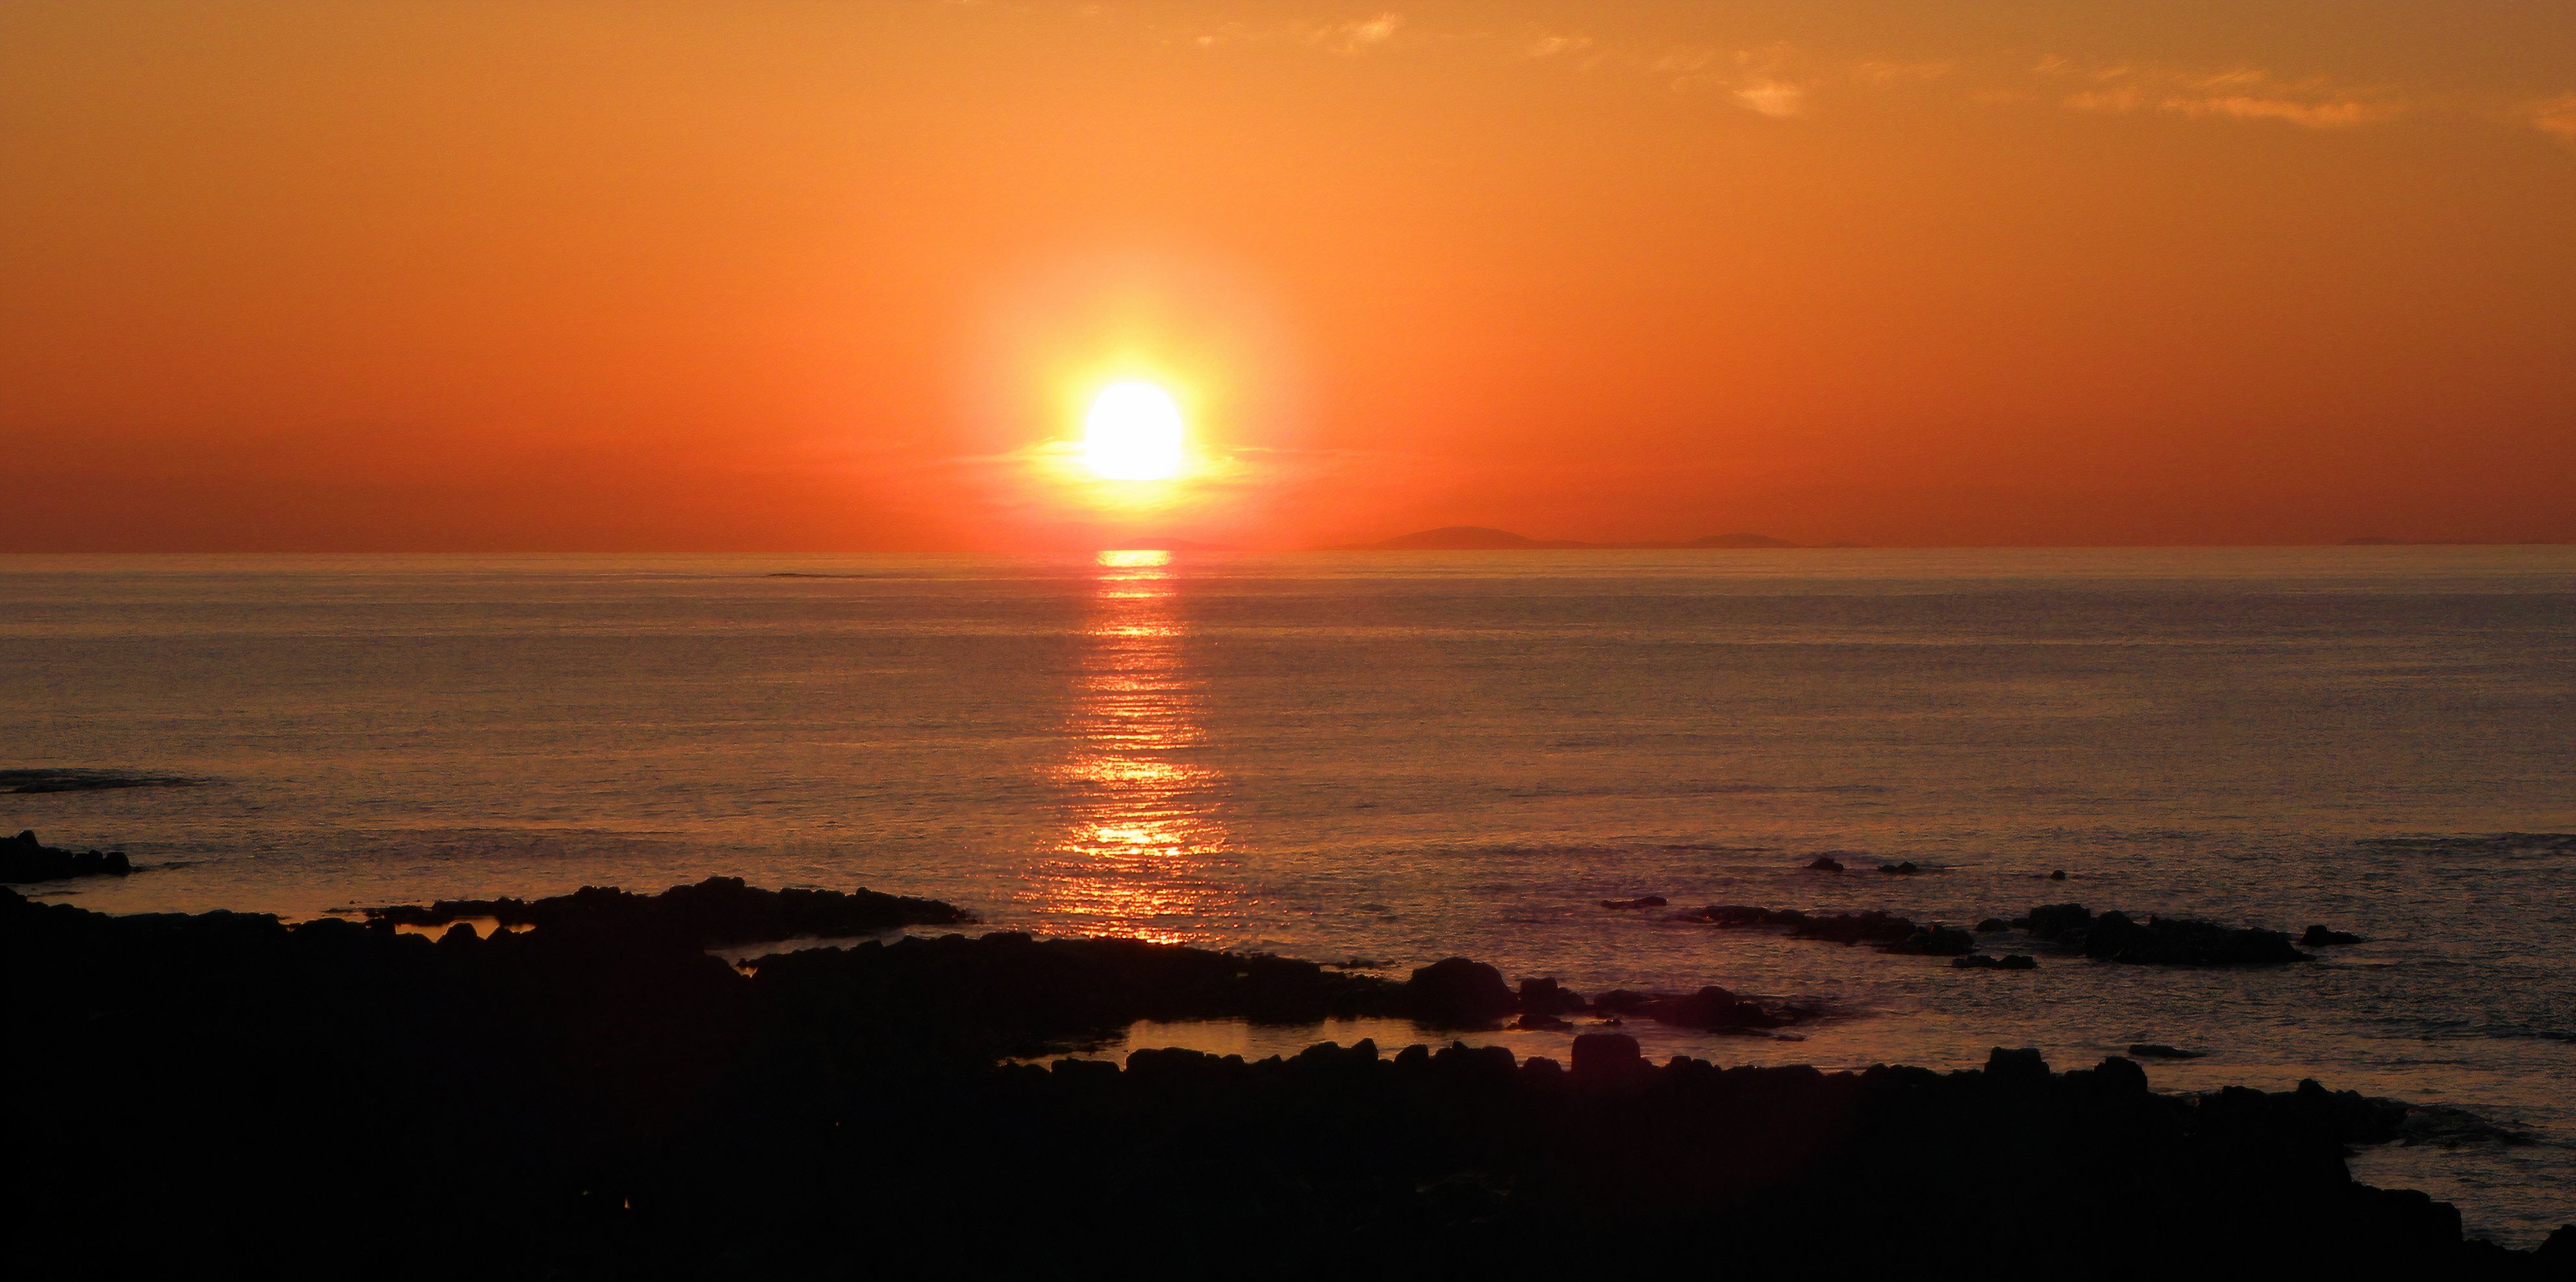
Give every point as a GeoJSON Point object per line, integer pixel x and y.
{"type": "Point", "coordinates": [1133, 433]}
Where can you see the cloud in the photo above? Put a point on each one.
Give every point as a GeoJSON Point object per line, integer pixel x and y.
{"type": "Point", "coordinates": [1350, 37]}
{"type": "Point", "coordinates": [1360, 34]}
{"type": "Point", "coordinates": [2554, 116]}
{"type": "Point", "coordinates": [1775, 98]}
{"type": "Point", "coordinates": [1759, 80]}
{"type": "Point", "coordinates": [1550, 46]}
{"type": "Point", "coordinates": [2241, 93]}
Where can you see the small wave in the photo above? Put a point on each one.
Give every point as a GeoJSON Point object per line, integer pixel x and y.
{"type": "Point", "coordinates": [2497, 843]}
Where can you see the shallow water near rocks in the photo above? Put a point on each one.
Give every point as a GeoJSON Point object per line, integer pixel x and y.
{"type": "Point", "coordinates": [1395, 758]}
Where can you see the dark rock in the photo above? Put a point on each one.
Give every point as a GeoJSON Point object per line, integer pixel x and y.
{"type": "Point", "coordinates": [2557, 1256]}
{"type": "Point", "coordinates": [2169, 941]}
{"type": "Point", "coordinates": [2056, 921]}
{"type": "Point", "coordinates": [1641, 901]}
{"type": "Point", "coordinates": [2120, 1076]}
{"type": "Point", "coordinates": [715, 913]}
{"type": "Point", "coordinates": [2019, 961]}
{"type": "Point", "coordinates": [2158, 1050]}
{"type": "Point", "coordinates": [1824, 863]}
{"type": "Point", "coordinates": [1533, 1023]}
{"type": "Point", "coordinates": [1993, 925]}
{"type": "Point", "coordinates": [1715, 1009]}
{"type": "Point", "coordinates": [1872, 926]}
{"type": "Point", "coordinates": [24, 859]}
{"type": "Point", "coordinates": [2024, 1066]}
{"type": "Point", "coordinates": [1623, 1001]}
{"type": "Point", "coordinates": [2057, 874]}
{"type": "Point", "coordinates": [1906, 868]}
{"type": "Point", "coordinates": [1458, 993]}
{"type": "Point", "coordinates": [1547, 997]}
{"type": "Point", "coordinates": [2321, 937]}
{"type": "Point", "coordinates": [1602, 1058]}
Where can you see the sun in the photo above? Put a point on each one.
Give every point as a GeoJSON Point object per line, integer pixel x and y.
{"type": "Point", "coordinates": [1133, 433]}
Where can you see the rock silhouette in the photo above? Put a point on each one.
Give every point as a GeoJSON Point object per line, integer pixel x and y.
{"type": "Point", "coordinates": [1980, 961]}
{"type": "Point", "coordinates": [713, 913]}
{"type": "Point", "coordinates": [222, 1093]}
{"type": "Point", "coordinates": [24, 859]}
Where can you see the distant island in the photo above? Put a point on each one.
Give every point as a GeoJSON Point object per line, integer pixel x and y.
{"type": "Point", "coordinates": [1479, 538]}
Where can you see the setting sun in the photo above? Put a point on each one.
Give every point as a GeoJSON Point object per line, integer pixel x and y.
{"type": "Point", "coordinates": [1133, 433]}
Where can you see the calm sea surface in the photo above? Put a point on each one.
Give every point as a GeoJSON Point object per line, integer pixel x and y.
{"type": "Point", "coordinates": [1402, 757]}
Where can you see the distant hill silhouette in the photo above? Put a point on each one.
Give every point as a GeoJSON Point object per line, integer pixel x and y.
{"type": "Point", "coordinates": [1740, 539]}
{"type": "Point", "coordinates": [1482, 538]}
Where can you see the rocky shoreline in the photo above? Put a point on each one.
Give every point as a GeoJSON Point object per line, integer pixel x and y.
{"type": "Point", "coordinates": [600, 1095]}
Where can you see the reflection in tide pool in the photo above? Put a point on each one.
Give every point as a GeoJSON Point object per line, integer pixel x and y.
{"type": "Point", "coordinates": [1142, 830]}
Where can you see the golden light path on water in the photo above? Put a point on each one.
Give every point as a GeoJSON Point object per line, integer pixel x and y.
{"type": "Point", "coordinates": [1142, 830]}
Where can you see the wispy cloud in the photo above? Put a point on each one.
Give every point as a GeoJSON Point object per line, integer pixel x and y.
{"type": "Point", "coordinates": [2240, 93]}
{"type": "Point", "coordinates": [1362, 34]}
{"type": "Point", "coordinates": [2555, 116]}
{"type": "Point", "coordinates": [1771, 80]}
{"type": "Point", "coordinates": [1774, 98]}
{"type": "Point", "coordinates": [1349, 37]}
{"type": "Point", "coordinates": [1778, 81]}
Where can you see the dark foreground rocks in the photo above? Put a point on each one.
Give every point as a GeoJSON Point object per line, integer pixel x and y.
{"type": "Point", "coordinates": [714, 913]}
{"type": "Point", "coordinates": [218, 1094]}
{"type": "Point", "coordinates": [24, 859]}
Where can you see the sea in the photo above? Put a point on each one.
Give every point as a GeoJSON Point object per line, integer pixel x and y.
{"type": "Point", "coordinates": [1389, 758]}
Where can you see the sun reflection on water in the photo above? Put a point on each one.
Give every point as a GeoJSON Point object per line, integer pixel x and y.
{"type": "Point", "coordinates": [1142, 831]}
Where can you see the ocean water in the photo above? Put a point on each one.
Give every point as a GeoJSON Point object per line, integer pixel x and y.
{"type": "Point", "coordinates": [1392, 758]}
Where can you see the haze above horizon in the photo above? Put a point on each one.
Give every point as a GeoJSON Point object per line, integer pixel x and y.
{"type": "Point", "coordinates": [777, 277]}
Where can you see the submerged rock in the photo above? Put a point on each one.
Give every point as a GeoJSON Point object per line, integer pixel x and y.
{"type": "Point", "coordinates": [1906, 868]}
{"type": "Point", "coordinates": [1641, 901]}
{"type": "Point", "coordinates": [1714, 1009]}
{"type": "Point", "coordinates": [1824, 863]}
{"type": "Point", "coordinates": [74, 780]}
{"type": "Point", "coordinates": [2158, 1050]}
{"type": "Point", "coordinates": [1935, 941]}
{"type": "Point", "coordinates": [2321, 937]}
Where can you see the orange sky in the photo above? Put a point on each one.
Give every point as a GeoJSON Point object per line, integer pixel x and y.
{"type": "Point", "coordinates": [829, 275]}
